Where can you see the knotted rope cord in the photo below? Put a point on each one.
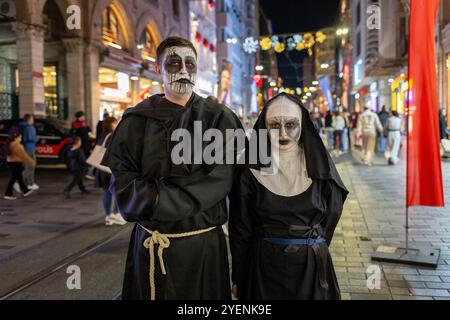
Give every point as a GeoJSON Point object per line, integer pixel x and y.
{"type": "Point", "coordinates": [163, 242]}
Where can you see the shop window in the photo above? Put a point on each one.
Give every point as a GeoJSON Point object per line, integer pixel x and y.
{"type": "Point", "coordinates": [51, 90]}
{"type": "Point", "coordinates": [113, 34]}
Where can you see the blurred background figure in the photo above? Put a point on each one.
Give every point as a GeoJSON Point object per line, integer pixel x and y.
{"type": "Point", "coordinates": [329, 129]}
{"type": "Point", "coordinates": [338, 125]}
{"type": "Point", "coordinates": [103, 179]}
{"type": "Point", "coordinates": [393, 128]}
{"type": "Point", "coordinates": [77, 167]}
{"type": "Point", "coordinates": [383, 115]}
{"type": "Point", "coordinates": [368, 126]}
{"type": "Point", "coordinates": [83, 131]}
{"type": "Point", "coordinates": [29, 141]}
{"type": "Point", "coordinates": [346, 134]}
{"type": "Point", "coordinates": [442, 124]}
{"type": "Point", "coordinates": [16, 157]}
{"type": "Point", "coordinates": [99, 128]}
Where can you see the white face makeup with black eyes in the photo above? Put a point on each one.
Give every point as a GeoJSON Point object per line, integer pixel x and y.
{"type": "Point", "coordinates": [284, 123]}
{"type": "Point", "coordinates": [179, 71]}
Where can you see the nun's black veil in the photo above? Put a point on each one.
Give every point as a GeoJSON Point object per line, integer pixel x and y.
{"type": "Point", "coordinates": [319, 164]}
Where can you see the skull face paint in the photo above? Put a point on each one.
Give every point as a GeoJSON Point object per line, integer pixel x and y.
{"type": "Point", "coordinates": [179, 71]}
{"type": "Point", "coordinates": [283, 121]}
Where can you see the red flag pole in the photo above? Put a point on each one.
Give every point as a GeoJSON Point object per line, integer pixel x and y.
{"type": "Point", "coordinates": [423, 257]}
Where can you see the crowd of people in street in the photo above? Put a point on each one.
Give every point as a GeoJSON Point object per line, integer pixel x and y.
{"type": "Point", "coordinates": [368, 132]}
{"type": "Point", "coordinates": [20, 156]}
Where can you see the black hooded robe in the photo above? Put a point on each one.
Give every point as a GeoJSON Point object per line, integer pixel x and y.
{"type": "Point", "coordinates": [265, 270]}
{"type": "Point", "coordinates": [159, 195]}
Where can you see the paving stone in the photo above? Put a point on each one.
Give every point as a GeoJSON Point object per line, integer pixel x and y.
{"type": "Point", "coordinates": [430, 292]}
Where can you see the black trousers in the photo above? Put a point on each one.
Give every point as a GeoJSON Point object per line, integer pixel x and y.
{"type": "Point", "coordinates": [16, 169]}
{"type": "Point", "coordinates": [76, 181]}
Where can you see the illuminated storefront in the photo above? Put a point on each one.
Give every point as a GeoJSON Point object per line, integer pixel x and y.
{"type": "Point", "coordinates": [51, 90]}
{"type": "Point", "coordinates": [115, 92]}
{"type": "Point", "coordinates": [399, 88]}
{"type": "Point", "coordinates": [148, 88]}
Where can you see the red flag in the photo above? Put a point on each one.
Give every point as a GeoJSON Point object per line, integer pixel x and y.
{"type": "Point", "coordinates": [424, 171]}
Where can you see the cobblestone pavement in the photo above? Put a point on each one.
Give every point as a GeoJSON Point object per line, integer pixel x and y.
{"type": "Point", "coordinates": [374, 215]}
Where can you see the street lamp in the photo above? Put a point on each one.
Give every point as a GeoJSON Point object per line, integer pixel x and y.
{"type": "Point", "coordinates": [259, 68]}
{"type": "Point", "coordinates": [342, 32]}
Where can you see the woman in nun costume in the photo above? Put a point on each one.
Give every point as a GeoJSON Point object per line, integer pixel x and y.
{"type": "Point", "coordinates": [283, 215]}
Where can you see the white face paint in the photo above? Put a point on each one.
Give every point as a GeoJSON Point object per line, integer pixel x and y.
{"type": "Point", "coordinates": [284, 122]}
{"type": "Point", "coordinates": [179, 71]}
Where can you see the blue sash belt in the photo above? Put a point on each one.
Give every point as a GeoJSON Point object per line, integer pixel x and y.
{"type": "Point", "coordinates": [320, 254]}
{"type": "Point", "coordinates": [284, 241]}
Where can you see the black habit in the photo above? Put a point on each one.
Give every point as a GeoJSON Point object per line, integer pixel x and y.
{"type": "Point", "coordinates": [262, 269]}
{"type": "Point", "coordinates": [172, 199]}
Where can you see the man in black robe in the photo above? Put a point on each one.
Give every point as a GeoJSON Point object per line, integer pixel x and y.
{"type": "Point", "coordinates": [177, 248]}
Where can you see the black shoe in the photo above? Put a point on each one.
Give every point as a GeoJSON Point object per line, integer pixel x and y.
{"type": "Point", "coordinates": [67, 195]}
{"type": "Point", "coordinates": [85, 192]}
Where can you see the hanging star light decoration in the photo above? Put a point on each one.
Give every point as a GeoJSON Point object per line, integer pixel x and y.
{"type": "Point", "coordinates": [265, 44]}
{"type": "Point", "coordinates": [280, 47]}
{"type": "Point", "coordinates": [291, 44]}
{"type": "Point", "coordinates": [275, 41]}
{"type": "Point", "coordinates": [251, 45]}
{"type": "Point", "coordinates": [320, 37]}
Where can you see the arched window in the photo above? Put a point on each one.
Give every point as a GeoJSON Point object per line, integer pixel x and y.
{"type": "Point", "coordinates": [112, 30]}
{"type": "Point", "coordinates": [148, 45]}
{"type": "Point", "coordinates": [54, 21]}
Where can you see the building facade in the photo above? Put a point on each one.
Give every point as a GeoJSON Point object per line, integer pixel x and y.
{"type": "Point", "coordinates": [380, 50]}
{"type": "Point", "coordinates": [204, 36]}
{"type": "Point", "coordinates": [52, 67]}
{"type": "Point", "coordinates": [236, 20]}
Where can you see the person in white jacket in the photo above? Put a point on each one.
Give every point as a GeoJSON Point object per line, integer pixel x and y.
{"type": "Point", "coordinates": [393, 126]}
{"type": "Point", "coordinates": [368, 125]}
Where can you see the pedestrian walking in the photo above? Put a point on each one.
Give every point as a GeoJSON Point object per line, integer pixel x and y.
{"type": "Point", "coordinates": [338, 125]}
{"type": "Point", "coordinates": [29, 141]}
{"type": "Point", "coordinates": [442, 125]}
{"type": "Point", "coordinates": [99, 127]}
{"type": "Point", "coordinates": [16, 156]}
{"type": "Point", "coordinates": [317, 121]}
{"type": "Point", "coordinates": [329, 129]}
{"type": "Point", "coordinates": [393, 128]}
{"type": "Point", "coordinates": [103, 179]}
{"type": "Point", "coordinates": [77, 167]}
{"type": "Point", "coordinates": [383, 115]}
{"type": "Point", "coordinates": [346, 132]}
{"type": "Point", "coordinates": [368, 126]}
{"type": "Point", "coordinates": [82, 130]}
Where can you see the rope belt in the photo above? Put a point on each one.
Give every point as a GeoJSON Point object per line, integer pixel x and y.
{"type": "Point", "coordinates": [163, 242]}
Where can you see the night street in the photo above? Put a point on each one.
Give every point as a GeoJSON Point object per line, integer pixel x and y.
{"type": "Point", "coordinates": [40, 239]}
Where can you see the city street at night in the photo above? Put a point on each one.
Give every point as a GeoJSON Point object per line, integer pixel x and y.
{"type": "Point", "coordinates": [224, 158]}
{"type": "Point", "coordinates": [40, 239]}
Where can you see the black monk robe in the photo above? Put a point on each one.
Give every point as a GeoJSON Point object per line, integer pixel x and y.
{"type": "Point", "coordinates": [172, 199]}
{"type": "Point", "coordinates": [266, 270]}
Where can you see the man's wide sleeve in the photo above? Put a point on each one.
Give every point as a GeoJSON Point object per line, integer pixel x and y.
{"type": "Point", "coordinates": [135, 195]}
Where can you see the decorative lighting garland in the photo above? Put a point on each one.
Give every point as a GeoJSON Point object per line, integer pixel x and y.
{"type": "Point", "coordinates": [281, 43]}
